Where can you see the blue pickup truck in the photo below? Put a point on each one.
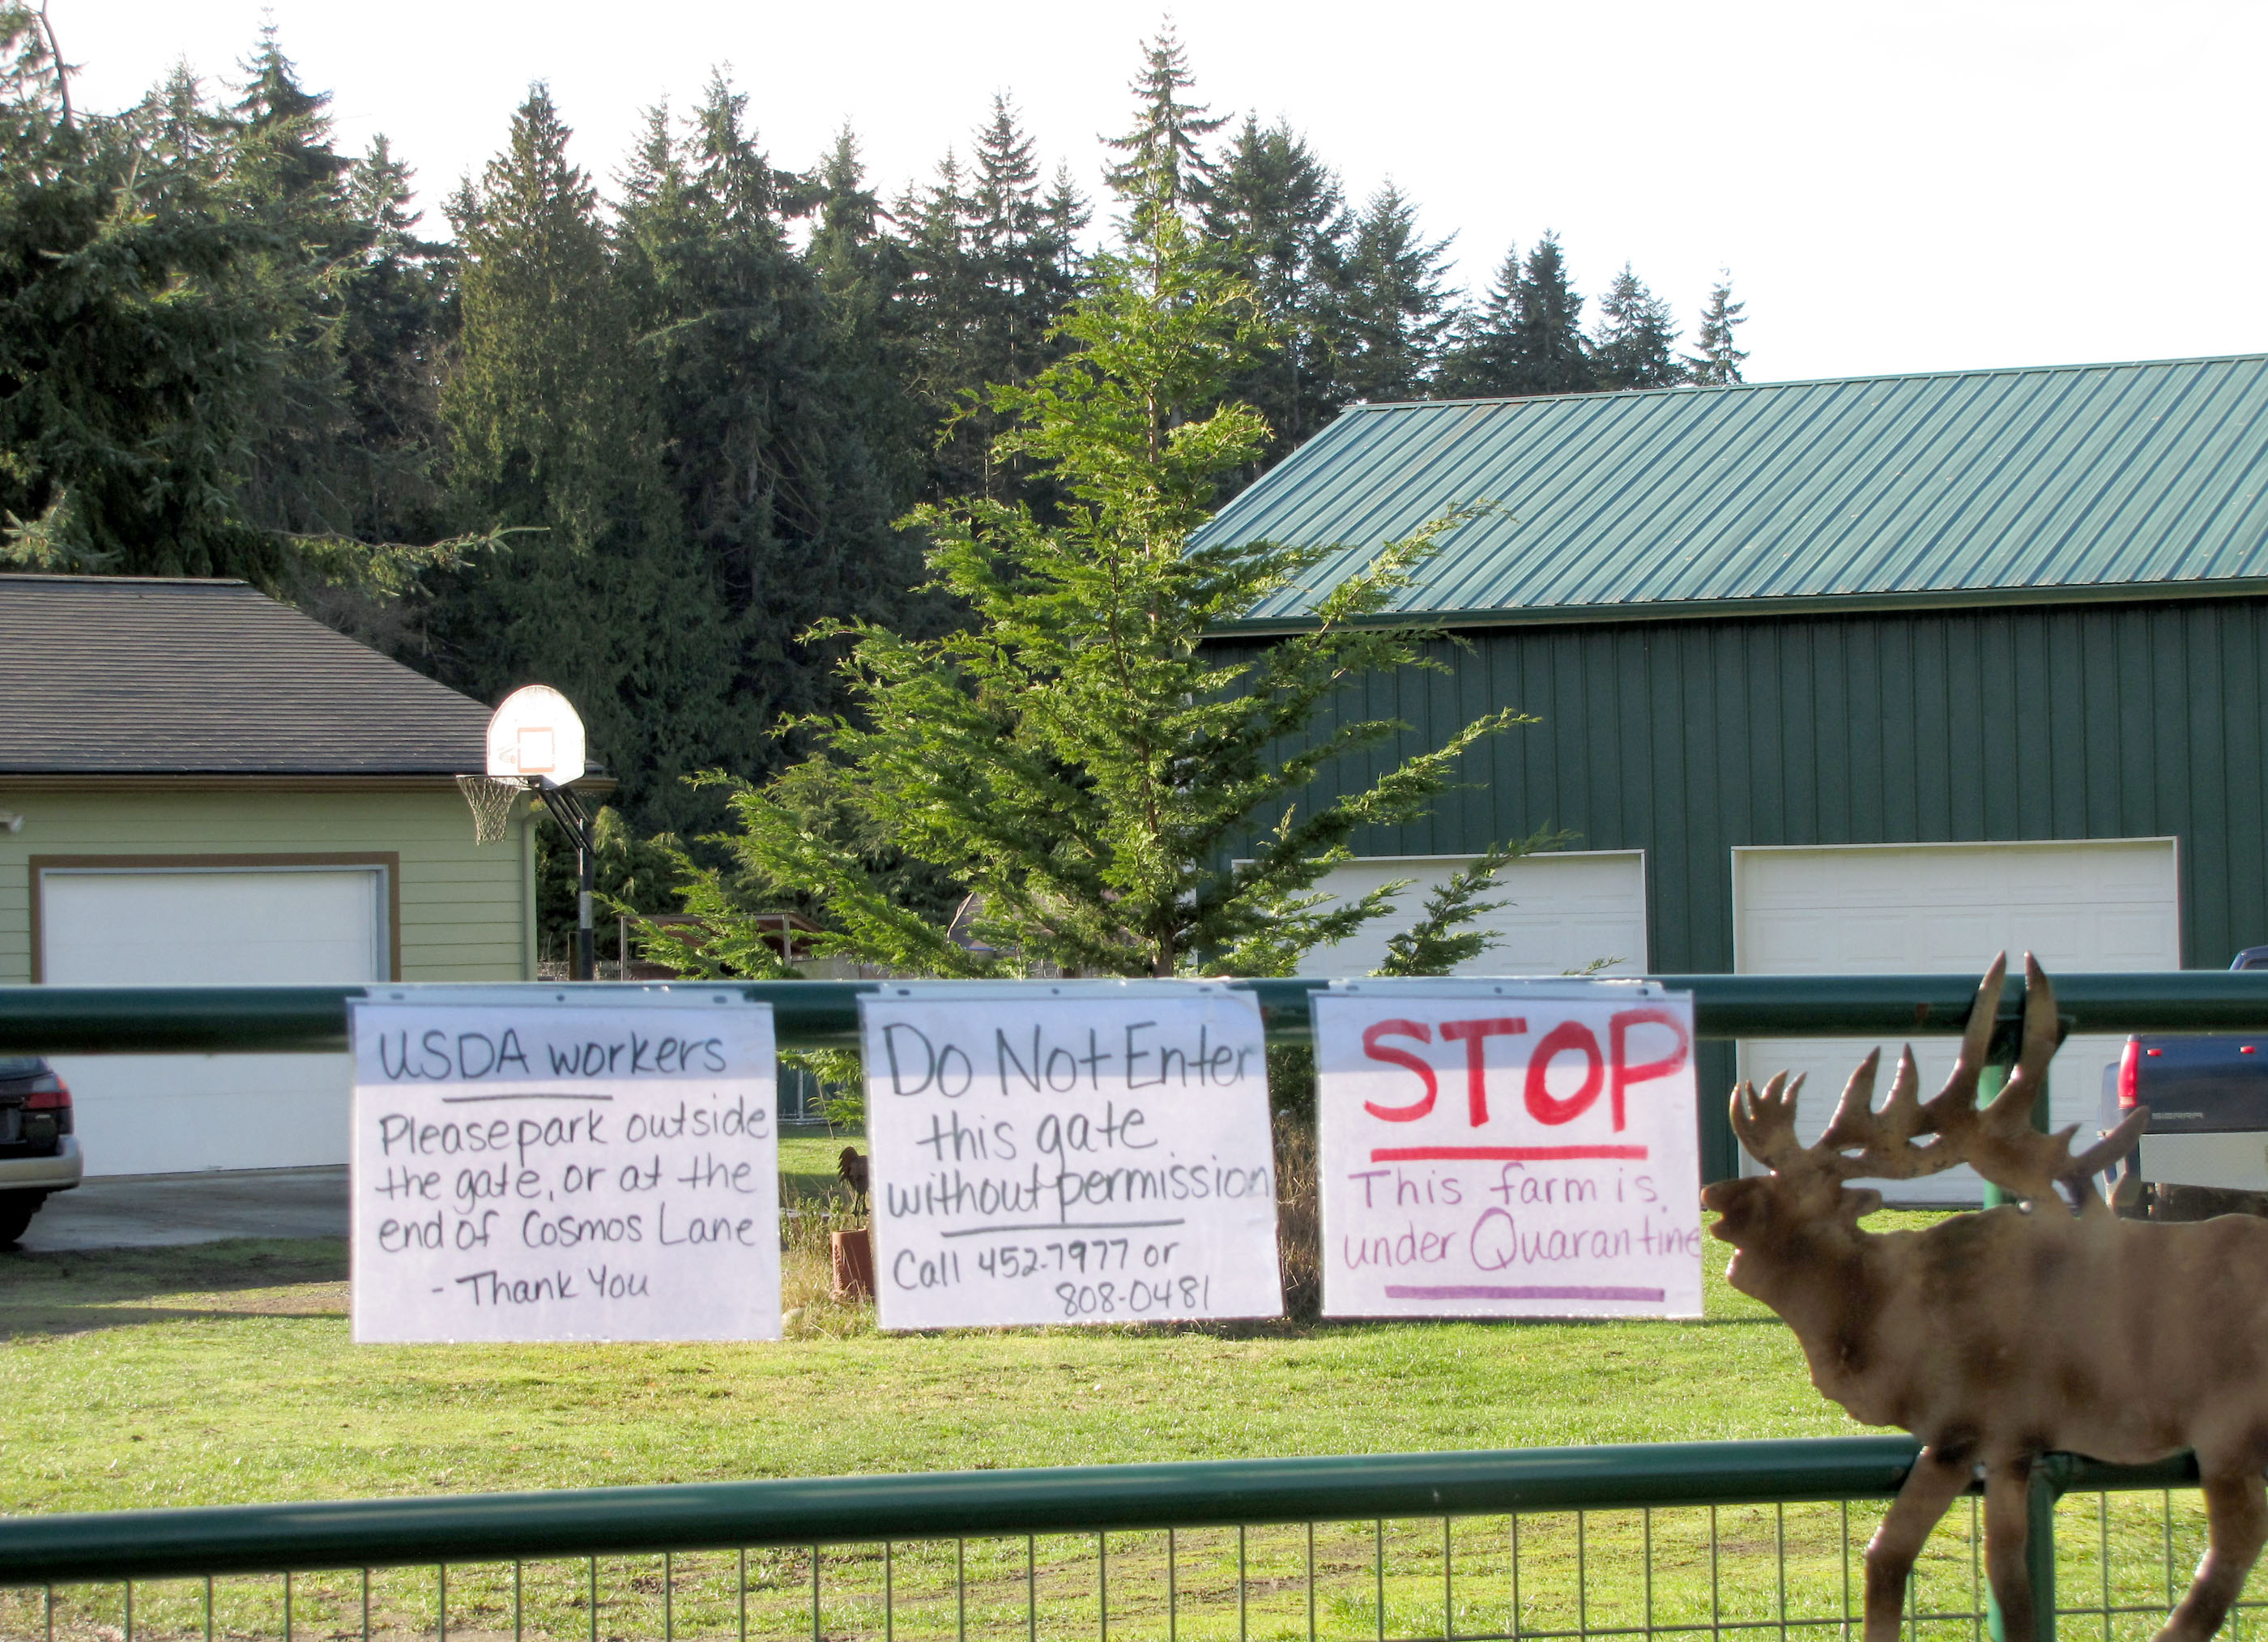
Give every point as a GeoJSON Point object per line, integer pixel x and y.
{"type": "Point", "coordinates": [2206, 1151]}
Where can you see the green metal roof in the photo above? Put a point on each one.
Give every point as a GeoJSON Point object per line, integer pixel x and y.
{"type": "Point", "coordinates": [1971, 487]}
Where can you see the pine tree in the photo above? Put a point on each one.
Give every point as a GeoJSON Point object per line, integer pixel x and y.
{"type": "Point", "coordinates": [1021, 248]}
{"type": "Point", "coordinates": [1483, 359]}
{"type": "Point", "coordinates": [136, 340]}
{"type": "Point", "coordinates": [1393, 313]}
{"type": "Point", "coordinates": [394, 326]}
{"type": "Point", "coordinates": [990, 264]}
{"type": "Point", "coordinates": [1276, 219]}
{"type": "Point", "coordinates": [278, 168]}
{"type": "Point", "coordinates": [758, 417]}
{"type": "Point", "coordinates": [1717, 362]}
{"type": "Point", "coordinates": [862, 273]}
{"type": "Point", "coordinates": [1636, 341]}
{"type": "Point", "coordinates": [1549, 322]}
{"type": "Point", "coordinates": [1528, 336]}
{"type": "Point", "coordinates": [555, 433]}
{"type": "Point", "coordinates": [1165, 171]}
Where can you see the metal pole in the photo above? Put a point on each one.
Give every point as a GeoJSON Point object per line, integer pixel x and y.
{"type": "Point", "coordinates": [2040, 1498]}
{"type": "Point", "coordinates": [586, 964]}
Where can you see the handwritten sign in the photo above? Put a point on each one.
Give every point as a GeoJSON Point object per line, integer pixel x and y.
{"type": "Point", "coordinates": [1072, 1151]}
{"type": "Point", "coordinates": [1496, 1148]}
{"type": "Point", "coordinates": [550, 1171]}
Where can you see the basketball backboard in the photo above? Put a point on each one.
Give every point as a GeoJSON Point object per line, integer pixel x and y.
{"type": "Point", "coordinates": [534, 734]}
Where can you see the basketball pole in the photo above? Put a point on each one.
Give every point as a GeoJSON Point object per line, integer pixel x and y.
{"type": "Point", "coordinates": [563, 803]}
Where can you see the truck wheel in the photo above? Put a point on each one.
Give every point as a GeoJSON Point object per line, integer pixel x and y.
{"type": "Point", "coordinates": [17, 1208]}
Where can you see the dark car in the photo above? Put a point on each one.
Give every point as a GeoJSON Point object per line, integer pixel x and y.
{"type": "Point", "coordinates": [2206, 1149]}
{"type": "Point", "coordinates": [39, 1154]}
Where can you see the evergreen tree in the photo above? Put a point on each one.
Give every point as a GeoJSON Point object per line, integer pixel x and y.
{"type": "Point", "coordinates": [991, 262]}
{"type": "Point", "coordinates": [1067, 212]}
{"type": "Point", "coordinates": [397, 314]}
{"type": "Point", "coordinates": [134, 336]}
{"type": "Point", "coordinates": [1549, 320]}
{"type": "Point", "coordinates": [279, 169]}
{"type": "Point", "coordinates": [1392, 313]}
{"type": "Point", "coordinates": [862, 273]}
{"type": "Point", "coordinates": [1717, 362]}
{"type": "Point", "coordinates": [1483, 358]}
{"type": "Point", "coordinates": [1276, 219]}
{"type": "Point", "coordinates": [1528, 336]}
{"type": "Point", "coordinates": [1025, 256]}
{"type": "Point", "coordinates": [1166, 172]}
{"type": "Point", "coordinates": [940, 307]}
{"type": "Point", "coordinates": [759, 421]}
{"type": "Point", "coordinates": [1636, 341]}
{"type": "Point", "coordinates": [1074, 757]}
{"type": "Point", "coordinates": [555, 434]}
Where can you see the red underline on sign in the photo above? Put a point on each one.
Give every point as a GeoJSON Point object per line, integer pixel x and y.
{"type": "Point", "coordinates": [1500, 1154]}
{"type": "Point", "coordinates": [1485, 1291]}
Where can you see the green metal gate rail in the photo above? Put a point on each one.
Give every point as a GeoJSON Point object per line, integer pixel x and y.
{"type": "Point", "coordinates": [884, 1520]}
{"type": "Point", "coordinates": [813, 1014]}
{"type": "Point", "coordinates": [112, 1545]}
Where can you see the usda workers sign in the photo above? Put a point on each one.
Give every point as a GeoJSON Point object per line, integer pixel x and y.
{"type": "Point", "coordinates": [564, 1171]}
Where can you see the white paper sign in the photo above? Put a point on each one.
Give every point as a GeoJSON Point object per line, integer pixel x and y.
{"type": "Point", "coordinates": [1505, 1149]}
{"type": "Point", "coordinates": [554, 1171]}
{"type": "Point", "coordinates": [1071, 1151]}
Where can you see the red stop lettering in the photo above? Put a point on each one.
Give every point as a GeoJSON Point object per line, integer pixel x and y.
{"type": "Point", "coordinates": [1618, 1030]}
{"type": "Point", "coordinates": [1474, 1035]}
{"type": "Point", "coordinates": [1542, 1105]}
{"type": "Point", "coordinates": [1372, 1047]}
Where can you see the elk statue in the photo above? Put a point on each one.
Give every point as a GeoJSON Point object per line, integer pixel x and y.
{"type": "Point", "coordinates": [2000, 1335]}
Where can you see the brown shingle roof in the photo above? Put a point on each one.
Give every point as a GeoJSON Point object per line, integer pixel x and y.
{"type": "Point", "coordinates": [117, 675]}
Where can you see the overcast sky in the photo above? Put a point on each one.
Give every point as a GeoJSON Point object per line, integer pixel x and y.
{"type": "Point", "coordinates": [1894, 187]}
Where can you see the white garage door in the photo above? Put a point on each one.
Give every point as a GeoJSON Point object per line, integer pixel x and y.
{"type": "Point", "coordinates": [1945, 908]}
{"type": "Point", "coordinates": [1564, 910]}
{"type": "Point", "coordinates": [166, 1114]}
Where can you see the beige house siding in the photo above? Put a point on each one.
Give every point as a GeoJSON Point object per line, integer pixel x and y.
{"type": "Point", "coordinates": [468, 912]}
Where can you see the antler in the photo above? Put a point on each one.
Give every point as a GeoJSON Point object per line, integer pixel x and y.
{"type": "Point", "coordinates": [1997, 1140]}
{"type": "Point", "coordinates": [1764, 1122]}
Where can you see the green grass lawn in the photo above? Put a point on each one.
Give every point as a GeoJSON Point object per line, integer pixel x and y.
{"type": "Point", "coordinates": [224, 1372]}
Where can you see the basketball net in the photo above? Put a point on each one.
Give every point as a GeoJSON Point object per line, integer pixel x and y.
{"type": "Point", "coordinates": [490, 799]}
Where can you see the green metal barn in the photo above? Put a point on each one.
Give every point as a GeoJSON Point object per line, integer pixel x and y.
{"type": "Point", "coordinates": [1875, 674]}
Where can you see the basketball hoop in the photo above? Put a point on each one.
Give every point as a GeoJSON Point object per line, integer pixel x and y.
{"type": "Point", "coordinates": [536, 734]}
{"type": "Point", "coordinates": [535, 744]}
{"type": "Point", "coordinates": [535, 741]}
{"type": "Point", "coordinates": [490, 799]}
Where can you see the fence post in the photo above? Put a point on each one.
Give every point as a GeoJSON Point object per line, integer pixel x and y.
{"type": "Point", "coordinates": [2046, 1487]}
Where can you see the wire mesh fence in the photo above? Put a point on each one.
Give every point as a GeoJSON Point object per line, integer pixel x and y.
{"type": "Point", "coordinates": [1788, 1569]}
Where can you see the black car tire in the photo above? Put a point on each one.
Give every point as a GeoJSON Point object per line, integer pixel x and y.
{"type": "Point", "coordinates": [17, 1208]}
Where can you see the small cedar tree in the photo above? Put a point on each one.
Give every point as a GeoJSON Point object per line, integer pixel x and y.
{"type": "Point", "coordinates": [1073, 757]}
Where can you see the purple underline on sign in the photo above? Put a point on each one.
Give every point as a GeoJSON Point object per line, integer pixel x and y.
{"type": "Point", "coordinates": [1062, 1225]}
{"type": "Point", "coordinates": [1506, 1154]}
{"type": "Point", "coordinates": [1488, 1291]}
{"type": "Point", "coordinates": [477, 1099]}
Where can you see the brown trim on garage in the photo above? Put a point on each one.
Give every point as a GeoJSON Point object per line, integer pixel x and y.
{"type": "Point", "coordinates": [386, 861]}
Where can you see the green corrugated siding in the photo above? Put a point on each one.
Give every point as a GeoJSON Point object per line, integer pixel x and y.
{"type": "Point", "coordinates": [1689, 739]}
{"type": "Point", "coordinates": [1966, 485]}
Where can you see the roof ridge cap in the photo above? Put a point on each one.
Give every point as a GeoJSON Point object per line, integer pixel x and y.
{"type": "Point", "coordinates": [1593, 396]}
{"type": "Point", "coordinates": [7, 577]}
